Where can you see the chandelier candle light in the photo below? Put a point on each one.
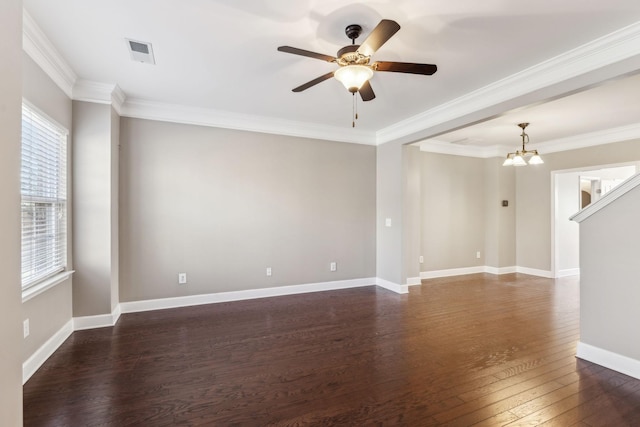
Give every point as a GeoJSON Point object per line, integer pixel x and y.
{"type": "Point", "coordinates": [518, 157]}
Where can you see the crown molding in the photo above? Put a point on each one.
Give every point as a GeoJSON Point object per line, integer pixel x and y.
{"type": "Point", "coordinates": [36, 44]}
{"type": "Point", "coordinates": [99, 93]}
{"type": "Point", "coordinates": [575, 142]}
{"type": "Point", "coordinates": [607, 50]}
{"type": "Point", "coordinates": [145, 109]}
{"type": "Point", "coordinates": [604, 51]}
{"type": "Point", "coordinates": [601, 137]}
{"type": "Point", "coordinates": [118, 98]}
{"type": "Point", "coordinates": [442, 147]}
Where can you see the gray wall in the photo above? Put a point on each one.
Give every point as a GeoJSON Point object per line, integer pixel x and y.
{"type": "Point", "coordinates": [95, 210]}
{"type": "Point", "coordinates": [114, 194]}
{"type": "Point", "coordinates": [390, 186]}
{"type": "Point", "coordinates": [609, 288]}
{"type": "Point", "coordinates": [500, 221]}
{"type": "Point", "coordinates": [223, 205]}
{"type": "Point", "coordinates": [51, 310]}
{"type": "Point", "coordinates": [10, 300]}
{"type": "Point", "coordinates": [453, 211]}
{"type": "Point", "coordinates": [462, 212]}
{"type": "Point", "coordinates": [533, 189]}
{"type": "Point", "coordinates": [412, 229]}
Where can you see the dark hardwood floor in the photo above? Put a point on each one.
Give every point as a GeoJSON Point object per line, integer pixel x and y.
{"type": "Point", "coordinates": [469, 350]}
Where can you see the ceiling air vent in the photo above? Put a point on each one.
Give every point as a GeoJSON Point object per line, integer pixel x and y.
{"type": "Point", "coordinates": [141, 51]}
{"type": "Point", "coordinates": [466, 141]}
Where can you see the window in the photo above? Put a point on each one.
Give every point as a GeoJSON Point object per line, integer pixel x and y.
{"type": "Point", "coordinates": [43, 177]}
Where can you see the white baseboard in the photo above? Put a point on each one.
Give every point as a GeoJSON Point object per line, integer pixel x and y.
{"type": "Point", "coordinates": [500, 270]}
{"type": "Point", "coordinates": [105, 320]}
{"type": "Point", "coordinates": [413, 281]}
{"type": "Point", "coordinates": [451, 272]}
{"type": "Point", "coordinates": [569, 272]}
{"type": "Point", "coordinates": [98, 321]}
{"type": "Point", "coordinates": [394, 287]}
{"type": "Point", "coordinates": [33, 363]}
{"type": "Point", "coordinates": [36, 360]}
{"type": "Point", "coordinates": [484, 269]}
{"type": "Point", "coordinates": [535, 272]}
{"type": "Point", "coordinates": [608, 359]}
{"type": "Point", "coordinates": [116, 313]}
{"type": "Point", "coordinates": [163, 303]}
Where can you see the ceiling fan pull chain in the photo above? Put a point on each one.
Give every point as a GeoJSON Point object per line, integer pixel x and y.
{"type": "Point", "coordinates": [353, 110]}
{"type": "Point", "coordinates": [355, 101]}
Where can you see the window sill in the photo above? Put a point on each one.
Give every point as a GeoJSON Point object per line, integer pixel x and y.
{"type": "Point", "coordinates": [36, 290]}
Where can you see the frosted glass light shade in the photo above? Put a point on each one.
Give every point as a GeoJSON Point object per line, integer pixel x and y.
{"type": "Point", "coordinates": [519, 161]}
{"type": "Point", "coordinates": [536, 160]}
{"type": "Point", "coordinates": [508, 162]}
{"type": "Point", "coordinates": [353, 76]}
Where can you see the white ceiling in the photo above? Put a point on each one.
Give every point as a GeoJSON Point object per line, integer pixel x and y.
{"type": "Point", "coordinates": [611, 105]}
{"type": "Point", "coordinates": [220, 55]}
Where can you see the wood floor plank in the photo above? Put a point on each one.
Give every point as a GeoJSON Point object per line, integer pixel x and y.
{"type": "Point", "coordinates": [604, 409]}
{"type": "Point", "coordinates": [483, 349]}
{"type": "Point", "coordinates": [571, 389]}
{"type": "Point", "coordinates": [568, 410]}
{"type": "Point", "coordinates": [481, 409]}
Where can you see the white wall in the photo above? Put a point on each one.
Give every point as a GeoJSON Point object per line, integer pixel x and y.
{"type": "Point", "coordinates": [567, 238]}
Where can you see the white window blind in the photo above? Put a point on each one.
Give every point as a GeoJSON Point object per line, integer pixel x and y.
{"type": "Point", "coordinates": [44, 197]}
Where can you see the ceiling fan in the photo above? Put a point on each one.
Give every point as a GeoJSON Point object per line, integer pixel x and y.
{"type": "Point", "coordinates": [356, 68]}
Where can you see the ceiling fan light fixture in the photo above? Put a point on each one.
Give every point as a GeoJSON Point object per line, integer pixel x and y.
{"type": "Point", "coordinates": [353, 76]}
{"type": "Point", "coordinates": [354, 62]}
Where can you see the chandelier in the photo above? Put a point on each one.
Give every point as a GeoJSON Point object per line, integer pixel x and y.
{"type": "Point", "coordinates": [518, 157]}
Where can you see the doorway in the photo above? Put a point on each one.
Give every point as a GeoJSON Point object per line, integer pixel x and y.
{"type": "Point", "coordinates": [574, 190]}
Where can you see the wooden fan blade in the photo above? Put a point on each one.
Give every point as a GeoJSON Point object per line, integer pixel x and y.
{"type": "Point", "coordinates": [366, 92]}
{"type": "Point", "coordinates": [405, 67]}
{"type": "Point", "coordinates": [379, 36]}
{"type": "Point", "coordinates": [313, 82]}
{"type": "Point", "coordinates": [308, 53]}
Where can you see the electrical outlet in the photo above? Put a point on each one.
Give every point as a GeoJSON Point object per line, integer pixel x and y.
{"type": "Point", "coordinates": [268, 271]}
{"type": "Point", "coordinates": [333, 266]}
{"type": "Point", "coordinates": [182, 278]}
{"type": "Point", "coordinates": [478, 254]}
{"type": "Point", "coordinates": [421, 259]}
{"type": "Point", "coordinates": [25, 328]}
{"type": "Point", "coordinates": [387, 222]}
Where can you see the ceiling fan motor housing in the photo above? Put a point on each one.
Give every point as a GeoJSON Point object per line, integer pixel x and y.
{"type": "Point", "coordinates": [349, 55]}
